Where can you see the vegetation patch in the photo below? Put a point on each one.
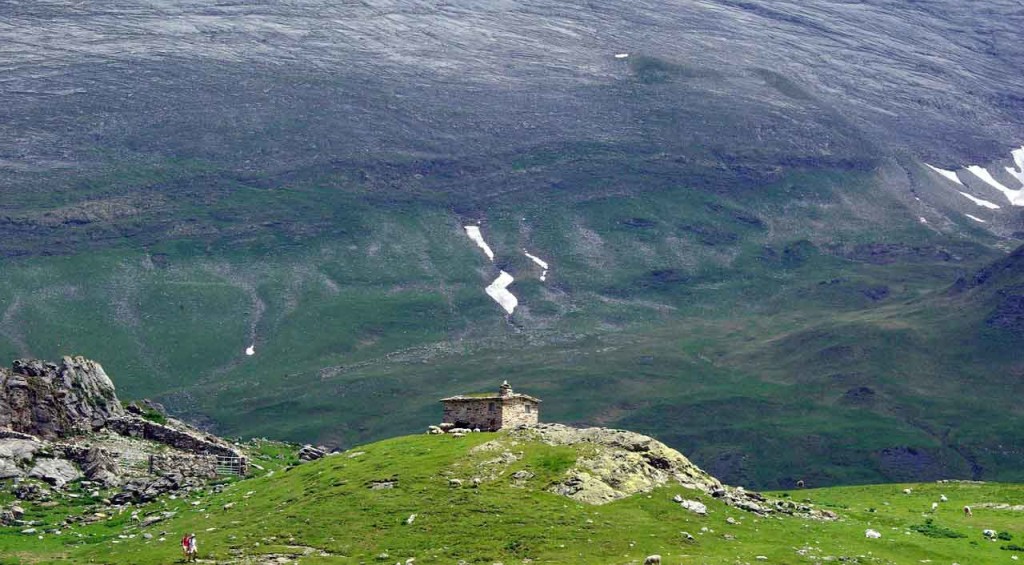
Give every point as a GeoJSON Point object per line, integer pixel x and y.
{"type": "Point", "coordinates": [931, 529]}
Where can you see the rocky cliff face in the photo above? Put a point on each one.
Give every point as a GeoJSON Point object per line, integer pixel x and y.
{"type": "Point", "coordinates": [50, 400]}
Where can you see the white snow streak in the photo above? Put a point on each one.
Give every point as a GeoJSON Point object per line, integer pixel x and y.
{"type": "Point", "coordinates": [474, 233]}
{"type": "Point", "coordinates": [951, 175]}
{"type": "Point", "coordinates": [1016, 197]}
{"type": "Point", "coordinates": [922, 220]}
{"type": "Point", "coordinates": [540, 262]}
{"type": "Point", "coordinates": [979, 201]}
{"type": "Point", "coordinates": [621, 55]}
{"type": "Point", "coordinates": [1018, 159]}
{"type": "Point", "coordinates": [498, 291]}
{"type": "Point", "coordinates": [251, 350]}
{"type": "Point", "coordinates": [976, 219]}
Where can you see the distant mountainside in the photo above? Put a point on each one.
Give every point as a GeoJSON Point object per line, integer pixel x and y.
{"type": "Point", "coordinates": [735, 225]}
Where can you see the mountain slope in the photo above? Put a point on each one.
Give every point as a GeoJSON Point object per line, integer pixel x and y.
{"type": "Point", "coordinates": [732, 200]}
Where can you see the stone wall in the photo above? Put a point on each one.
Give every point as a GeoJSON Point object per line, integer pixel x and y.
{"type": "Point", "coordinates": [483, 413]}
{"type": "Point", "coordinates": [132, 426]}
{"type": "Point", "coordinates": [200, 466]}
{"type": "Point", "coordinates": [490, 414]}
{"type": "Point", "coordinates": [518, 411]}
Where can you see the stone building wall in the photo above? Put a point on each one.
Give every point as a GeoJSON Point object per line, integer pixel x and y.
{"type": "Point", "coordinates": [518, 411]}
{"type": "Point", "coordinates": [481, 413]}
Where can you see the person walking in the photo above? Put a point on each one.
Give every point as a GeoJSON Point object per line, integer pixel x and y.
{"type": "Point", "coordinates": [184, 547]}
{"type": "Point", "coordinates": [193, 550]}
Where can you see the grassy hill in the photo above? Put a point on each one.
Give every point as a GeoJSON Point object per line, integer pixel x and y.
{"type": "Point", "coordinates": [328, 511]}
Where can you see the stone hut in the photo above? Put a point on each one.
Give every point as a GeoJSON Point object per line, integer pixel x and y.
{"type": "Point", "coordinates": [491, 412]}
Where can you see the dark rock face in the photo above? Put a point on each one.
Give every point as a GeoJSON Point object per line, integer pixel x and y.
{"type": "Point", "coordinates": [1007, 270]}
{"type": "Point", "coordinates": [49, 401]}
{"type": "Point", "coordinates": [1009, 313]}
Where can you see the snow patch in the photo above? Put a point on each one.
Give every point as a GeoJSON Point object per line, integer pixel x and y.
{"type": "Point", "coordinates": [1018, 171]}
{"type": "Point", "coordinates": [251, 350]}
{"type": "Point", "coordinates": [922, 220]}
{"type": "Point", "coordinates": [951, 175]}
{"type": "Point", "coordinates": [979, 201]}
{"type": "Point", "coordinates": [474, 233]}
{"type": "Point", "coordinates": [976, 219]}
{"type": "Point", "coordinates": [1016, 197]}
{"type": "Point", "coordinates": [540, 262]}
{"type": "Point", "coordinates": [498, 290]}
{"type": "Point", "coordinates": [621, 55]}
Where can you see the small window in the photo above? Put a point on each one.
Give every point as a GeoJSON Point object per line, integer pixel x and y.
{"type": "Point", "coordinates": [490, 407]}
{"type": "Point", "coordinates": [529, 408]}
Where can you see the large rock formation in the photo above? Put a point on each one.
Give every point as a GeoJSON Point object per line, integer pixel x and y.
{"type": "Point", "coordinates": [614, 464]}
{"type": "Point", "coordinates": [50, 401]}
{"type": "Point", "coordinates": [62, 422]}
{"type": "Point", "coordinates": [617, 463]}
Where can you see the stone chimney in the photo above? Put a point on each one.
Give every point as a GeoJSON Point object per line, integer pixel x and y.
{"type": "Point", "coordinates": [505, 391]}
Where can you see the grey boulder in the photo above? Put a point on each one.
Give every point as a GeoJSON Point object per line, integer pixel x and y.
{"type": "Point", "coordinates": [57, 472]}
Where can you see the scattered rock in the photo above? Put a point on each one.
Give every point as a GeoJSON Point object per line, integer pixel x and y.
{"type": "Point", "coordinates": [410, 519]}
{"type": "Point", "coordinates": [695, 506]}
{"type": "Point", "coordinates": [455, 483]}
{"type": "Point", "coordinates": [872, 534]}
{"type": "Point", "coordinates": [29, 491]}
{"type": "Point", "coordinates": [520, 477]}
{"type": "Point", "coordinates": [57, 472]}
{"type": "Point", "coordinates": [310, 453]}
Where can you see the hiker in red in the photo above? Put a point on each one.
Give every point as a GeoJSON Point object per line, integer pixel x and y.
{"type": "Point", "coordinates": [184, 547]}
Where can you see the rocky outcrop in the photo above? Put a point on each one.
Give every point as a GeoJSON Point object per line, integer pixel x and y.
{"type": "Point", "coordinates": [613, 464]}
{"type": "Point", "coordinates": [63, 422]}
{"type": "Point", "coordinates": [624, 463]}
{"type": "Point", "coordinates": [310, 453]}
{"type": "Point", "coordinates": [50, 400]}
{"type": "Point", "coordinates": [100, 467]}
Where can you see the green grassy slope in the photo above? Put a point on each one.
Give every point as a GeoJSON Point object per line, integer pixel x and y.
{"type": "Point", "coordinates": [808, 311]}
{"type": "Point", "coordinates": [326, 511]}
